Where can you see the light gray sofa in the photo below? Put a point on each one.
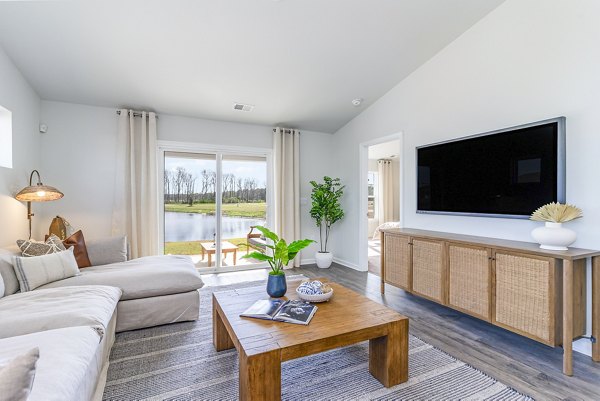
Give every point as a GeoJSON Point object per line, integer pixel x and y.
{"type": "Point", "coordinates": [156, 289]}
{"type": "Point", "coordinates": [73, 321]}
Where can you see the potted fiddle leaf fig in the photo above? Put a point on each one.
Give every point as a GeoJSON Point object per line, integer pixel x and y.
{"type": "Point", "coordinates": [326, 210]}
{"type": "Point", "coordinates": [282, 253]}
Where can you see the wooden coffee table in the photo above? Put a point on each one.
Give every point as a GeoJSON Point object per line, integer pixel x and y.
{"type": "Point", "coordinates": [348, 318]}
{"type": "Point", "coordinates": [209, 249]}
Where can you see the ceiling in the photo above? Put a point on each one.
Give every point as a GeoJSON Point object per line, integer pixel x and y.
{"type": "Point", "coordinates": [299, 62]}
{"type": "Point", "coordinates": [385, 150]}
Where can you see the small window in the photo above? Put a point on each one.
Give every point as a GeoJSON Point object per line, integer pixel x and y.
{"type": "Point", "coordinates": [5, 138]}
{"type": "Point", "coordinates": [371, 193]}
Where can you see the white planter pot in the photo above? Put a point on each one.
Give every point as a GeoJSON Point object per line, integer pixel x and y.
{"type": "Point", "coordinates": [324, 259]}
{"type": "Point", "coordinates": [554, 236]}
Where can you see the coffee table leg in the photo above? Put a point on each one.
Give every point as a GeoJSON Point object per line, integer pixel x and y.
{"type": "Point", "coordinates": [209, 259]}
{"type": "Point", "coordinates": [221, 339]}
{"type": "Point", "coordinates": [234, 257]}
{"type": "Point", "coordinates": [260, 376]}
{"type": "Point", "coordinates": [388, 356]}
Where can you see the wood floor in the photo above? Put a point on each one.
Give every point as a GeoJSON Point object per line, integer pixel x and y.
{"type": "Point", "coordinates": [523, 364]}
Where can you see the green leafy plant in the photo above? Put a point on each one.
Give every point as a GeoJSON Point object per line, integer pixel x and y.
{"type": "Point", "coordinates": [326, 208]}
{"type": "Point", "coordinates": [282, 252]}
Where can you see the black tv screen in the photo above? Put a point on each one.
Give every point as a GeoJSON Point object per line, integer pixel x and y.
{"type": "Point", "coordinates": [505, 173]}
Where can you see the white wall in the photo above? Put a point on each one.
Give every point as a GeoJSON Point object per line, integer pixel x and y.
{"type": "Point", "coordinates": [523, 62]}
{"type": "Point", "coordinates": [17, 96]}
{"type": "Point", "coordinates": [80, 150]}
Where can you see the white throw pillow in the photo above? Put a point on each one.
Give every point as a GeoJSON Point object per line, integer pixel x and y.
{"type": "Point", "coordinates": [35, 271]}
{"type": "Point", "coordinates": [16, 377]}
{"type": "Point", "coordinates": [1, 286]}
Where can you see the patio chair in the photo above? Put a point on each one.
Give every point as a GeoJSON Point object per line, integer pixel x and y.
{"type": "Point", "coordinates": [256, 240]}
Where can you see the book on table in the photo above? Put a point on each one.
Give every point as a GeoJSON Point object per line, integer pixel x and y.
{"type": "Point", "coordinates": [291, 311]}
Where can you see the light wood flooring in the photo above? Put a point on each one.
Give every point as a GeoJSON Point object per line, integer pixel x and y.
{"type": "Point", "coordinates": [526, 365]}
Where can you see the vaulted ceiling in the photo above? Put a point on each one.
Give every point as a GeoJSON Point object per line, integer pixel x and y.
{"type": "Point", "coordinates": [299, 62]}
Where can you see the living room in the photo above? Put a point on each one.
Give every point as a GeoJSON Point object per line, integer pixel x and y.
{"type": "Point", "coordinates": [344, 76]}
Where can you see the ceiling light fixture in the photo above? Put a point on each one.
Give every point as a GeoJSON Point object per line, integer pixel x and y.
{"type": "Point", "coordinates": [357, 102]}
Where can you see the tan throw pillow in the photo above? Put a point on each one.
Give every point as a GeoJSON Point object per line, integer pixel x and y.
{"type": "Point", "coordinates": [32, 248]}
{"type": "Point", "coordinates": [36, 271]}
{"type": "Point", "coordinates": [77, 242]}
{"type": "Point", "coordinates": [16, 377]}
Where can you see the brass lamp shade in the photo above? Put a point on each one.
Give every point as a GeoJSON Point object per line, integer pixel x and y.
{"type": "Point", "coordinates": [39, 193]}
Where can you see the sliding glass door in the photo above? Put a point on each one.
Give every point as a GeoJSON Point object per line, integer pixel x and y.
{"type": "Point", "coordinates": [212, 202]}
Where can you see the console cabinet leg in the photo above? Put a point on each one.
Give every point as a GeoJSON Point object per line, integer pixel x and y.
{"type": "Point", "coordinates": [596, 308]}
{"type": "Point", "coordinates": [568, 318]}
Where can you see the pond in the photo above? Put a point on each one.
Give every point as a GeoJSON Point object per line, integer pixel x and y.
{"type": "Point", "coordinates": [196, 226]}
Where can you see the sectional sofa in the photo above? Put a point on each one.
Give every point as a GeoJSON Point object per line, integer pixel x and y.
{"type": "Point", "coordinates": [73, 321]}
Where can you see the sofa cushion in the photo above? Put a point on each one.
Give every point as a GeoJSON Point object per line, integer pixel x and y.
{"type": "Point", "coordinates": [77, 242]}
{"type": "Point", "coordinates": [53, 308]}
{"type": "Point", "coordinates": [39, 270]}
{"type": "Point", "coordinates": [11, 283]}
{"type": "Point", "coordinates": [64, 358]}
{"type": "Point", "coordinates": [107, 250]}
{"type": "Point", "coordinates": [150, 276]}
{"type": "Point", "coordinates": [16, 376]}
{"type": "Point", "coordinates": [1, 286]}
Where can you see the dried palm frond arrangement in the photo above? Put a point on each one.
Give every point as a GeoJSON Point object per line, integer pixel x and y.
{"type": "Point", "coordinates": [557, 213]}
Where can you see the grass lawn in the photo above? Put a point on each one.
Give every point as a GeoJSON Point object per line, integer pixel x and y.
{"type": "Point", "coordinates": [193, 247]}
{"type": "Point", "coordinates": [256, 210]}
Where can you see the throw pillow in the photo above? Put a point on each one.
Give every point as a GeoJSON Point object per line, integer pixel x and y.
{"type": "Point", "coordinates": [16, 377]}
{"type": "Point", "coordinates": [11, 284]}
{"type": "Point", "coordinates": [1, 286]}
{"type": "Point", "coordinates": [107, 250]}
{"type": "Point", "coordinates": [32, 248]}
{"type": "Point", "coordinates": [35, 271]}
{"type": "Point", "coordinates": [77, 242]}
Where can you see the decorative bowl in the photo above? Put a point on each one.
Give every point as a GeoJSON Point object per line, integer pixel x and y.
{"type": "Point", "coordinates": [315, 297]}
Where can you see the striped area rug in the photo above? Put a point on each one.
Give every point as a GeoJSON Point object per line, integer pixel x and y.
{"type": "Point", "coordinates": [178, 362]}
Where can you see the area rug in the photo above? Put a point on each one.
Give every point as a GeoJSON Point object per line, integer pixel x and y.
{"type": "Point", "coordinates": [178, 362]}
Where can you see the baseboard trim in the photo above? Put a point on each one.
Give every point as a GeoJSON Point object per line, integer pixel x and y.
{"type": "Point", "coordinates": [348, 264]}
{"type": "Point", "coordinates": [339, 261]}
{"type": "Point", "coordinates": [583, 346]}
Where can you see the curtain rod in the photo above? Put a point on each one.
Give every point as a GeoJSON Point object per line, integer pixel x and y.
{"type": "Point", "coordinates": [135, 113]}
{"type": "Point", "coordinates": [285, 130]}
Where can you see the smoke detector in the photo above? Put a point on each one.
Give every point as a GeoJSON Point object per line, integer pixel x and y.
{"type": "Point", "coordinates": [356, 102]}
{"type": "Point", "coordinates": [243, 107]}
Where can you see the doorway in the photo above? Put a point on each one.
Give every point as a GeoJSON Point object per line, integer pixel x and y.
{"type": "Point", "coordinates": [380, 196]}
{"type": "Point", "coordinates": [212, 200]}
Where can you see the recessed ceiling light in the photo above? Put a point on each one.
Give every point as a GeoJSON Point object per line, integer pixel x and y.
{"type": "Point", "coordinates": [356, 102]}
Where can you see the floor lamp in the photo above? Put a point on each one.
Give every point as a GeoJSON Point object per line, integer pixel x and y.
{"type": "Point", "coordinates": [37, 193]}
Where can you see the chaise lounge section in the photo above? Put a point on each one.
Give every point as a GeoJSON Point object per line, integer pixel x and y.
{"type": "Point", "coordinates": [73, 321]}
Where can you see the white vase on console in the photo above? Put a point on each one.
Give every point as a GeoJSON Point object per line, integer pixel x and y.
{"type": "Point", "coordinates": [553, 236]}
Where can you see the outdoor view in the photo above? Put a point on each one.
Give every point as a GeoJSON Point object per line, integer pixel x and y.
{"type": "Point", "coordinates": [190, 209]}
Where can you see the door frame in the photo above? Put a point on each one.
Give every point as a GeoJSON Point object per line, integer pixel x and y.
{"type": "Point", "coordinates": [219, 151]}
{"type": "Point", "coordinates": [363, 220]}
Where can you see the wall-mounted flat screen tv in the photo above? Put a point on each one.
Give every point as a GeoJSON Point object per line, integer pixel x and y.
{"type": "Point", "coordinates": [505, 173]}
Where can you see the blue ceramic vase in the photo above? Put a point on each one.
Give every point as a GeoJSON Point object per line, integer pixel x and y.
{"type": "Point", "coordinates": [276, 285]}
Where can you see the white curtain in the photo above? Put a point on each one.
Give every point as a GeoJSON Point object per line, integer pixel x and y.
{"type": "Point", "coordinates": [286, 168]}
{"type": "Point", "coordinates": [135, 210]}
{"type": "Point", "coordinates": [385, 191]}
